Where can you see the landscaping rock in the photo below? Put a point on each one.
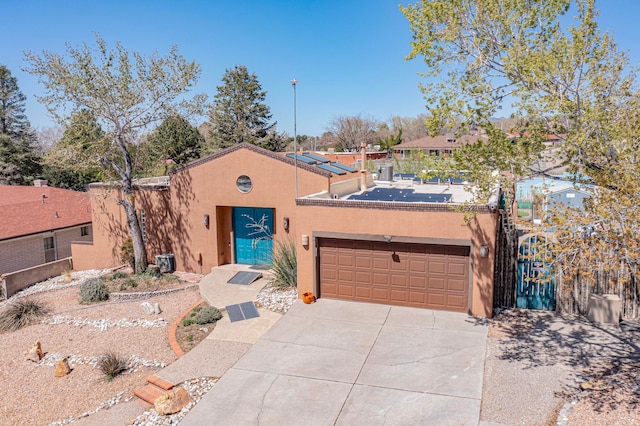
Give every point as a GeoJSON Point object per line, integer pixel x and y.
{"type": "Point", "coordinates": [34, 353]}
{"type": "Point", "coordinates": [62, 368]}
{"type": "Point", "coordinates": [173, 401]}
{"type": "Point", "coordinates": [596, 385]}
{"type": "Point", "coordinates": [148, 309]}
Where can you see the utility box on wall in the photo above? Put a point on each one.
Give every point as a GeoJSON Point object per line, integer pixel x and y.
{"type": "Point", "coordinates": [604, 309]}
{"type": "Point", "coordinates": [166, 262]}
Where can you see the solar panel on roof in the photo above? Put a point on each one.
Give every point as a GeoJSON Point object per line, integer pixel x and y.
{"type": "Point", "coordinates": [343, 167]}
{"type": "Point", "coordinates": [318, 158]}
{"type": "Point", "coordinates": [331, 169]}
{"type": "Point", "coordinates": [400, 195]}
{"type": "Point", "coordinates": [302, 158]}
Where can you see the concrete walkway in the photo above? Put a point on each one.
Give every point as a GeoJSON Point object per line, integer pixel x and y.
{"type": "Point", "coordinates": [336, 362]}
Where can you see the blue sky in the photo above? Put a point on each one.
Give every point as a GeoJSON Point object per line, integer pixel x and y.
{"type": "Point", "coordinates": [348, 55]}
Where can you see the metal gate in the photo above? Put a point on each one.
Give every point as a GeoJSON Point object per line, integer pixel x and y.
{"type": "Point", "coordinates": [536, 278]}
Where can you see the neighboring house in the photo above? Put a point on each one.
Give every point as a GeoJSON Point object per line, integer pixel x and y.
{"type": "Point", "coordinates": [551, 140]}
{"type": "Point", "coordinates": [398, 243]}
{"type": "Point", "coordinates": [39, 223]}
{"type": "Point", "coordinates": [439, 146]}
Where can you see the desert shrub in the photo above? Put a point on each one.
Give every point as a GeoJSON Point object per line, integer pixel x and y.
{"type": "Point", "coordinates": [153, 271]}
{"type": "Point", "coordinates": [118, 274]}
{"type": "Point", "coordinates": [22, 312]}
{"type": "Point", "coordinates": [93, 290]}
{"type": "Point", "coordinates": [207, 315]}
{"type": "Point", "coordinates": [285, 264]}
{"type": "Point", "coordinates": [112, 365]}
{"type": "Point", "coordinates": [187, 322]}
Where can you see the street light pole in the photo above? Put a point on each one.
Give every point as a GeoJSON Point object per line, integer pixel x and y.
{"type": "Point", "coordinates": [294, 82]}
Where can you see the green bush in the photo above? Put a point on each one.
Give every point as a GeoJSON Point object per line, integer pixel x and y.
{"type": "Point", "coordinates": [93, 290]}
{"type": "Point", "coordinates": [187, 322]}
{"type": "Point", "coordinates": [153, 271]}
{"type": "Point", "coordinates": [118, 274]}
{"type": "Point", "coordinates": [21, 313]}
{"type": "Point", "coordinates": [207, 315]}
{"type": "Point", "coordinates": [112, 365]}
{"type": "Point", "coordinates": [285, 264]}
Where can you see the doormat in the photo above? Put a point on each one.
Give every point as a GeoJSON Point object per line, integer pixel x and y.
{"type": "Point", "coordinates": [244, 277]}
{"type": "Point", "coordinates": [242, 311]}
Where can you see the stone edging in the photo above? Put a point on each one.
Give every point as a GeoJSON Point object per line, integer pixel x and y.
{"type": "Point", "coordinates": [148, 294]}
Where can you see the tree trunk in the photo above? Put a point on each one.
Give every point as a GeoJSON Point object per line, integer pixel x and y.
{"type": "Point", "coordinates": [139, 251]}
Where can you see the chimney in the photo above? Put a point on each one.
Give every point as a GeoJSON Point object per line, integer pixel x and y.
{"type": "Point", "coordinates": [40, 182]}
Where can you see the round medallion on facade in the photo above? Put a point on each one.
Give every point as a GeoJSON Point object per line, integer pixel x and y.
{"type": "Point", "coordinates": [243, 183]}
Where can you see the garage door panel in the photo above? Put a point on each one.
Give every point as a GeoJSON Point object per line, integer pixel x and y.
{"type": "Point", "coordinates": [399, 281]}
{"type": "Point", "coordinates": [436, 267]}
{"type": "Point", "coordinates": [419, 275]}
{"type": "Point", "coordinates": [398, 296]}
{"type": "Point", "coordinates": [379, 293]}
{"type": "Point", "coordinates": [458, 269]}
{"type": "Point", "coordinates": [459, 301]}
{"type": "Point", "coordinates": [437, 283]}
{"type": "Point", "coordinates": [456, 285]}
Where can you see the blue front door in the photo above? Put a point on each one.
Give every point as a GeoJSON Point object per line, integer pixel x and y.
{"type": "Point", "coordinates": [253, 230]}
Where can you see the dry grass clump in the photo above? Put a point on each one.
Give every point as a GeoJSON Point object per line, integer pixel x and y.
{"type": "Point", "coordinates": [22, 312]}
{"type": "Point", "coordinates": [112, 365]}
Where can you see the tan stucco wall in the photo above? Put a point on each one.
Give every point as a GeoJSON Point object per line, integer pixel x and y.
{"type": "Point", "coordinates": [433, 227]}
{"type": "Point", "coordinates": [211, 188]}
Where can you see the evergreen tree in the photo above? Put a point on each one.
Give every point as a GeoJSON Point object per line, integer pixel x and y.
{"type": "Point", "coordinates": [239, 113]}
{"type": "Point", "coordinates": [175, 141]}
{"type": "Point", "coordinates": [19, 160]}
{"type": "Point", "coordinates": [73, 161]}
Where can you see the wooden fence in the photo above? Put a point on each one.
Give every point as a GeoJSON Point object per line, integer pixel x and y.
{"type": "Point", "coordinates": [505, 275]}
{"type": "Point", "coordinates": [573, 296]}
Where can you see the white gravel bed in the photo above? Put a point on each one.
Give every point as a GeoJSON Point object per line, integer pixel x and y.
{"type": "Point", "coordinates": [104, 324]}
{"type": "Point", "coordinates": [105, 405]}
{"type": "Point", "coordinates": [134, 362]}
{"type": "Point", "coordinates": [59, 282]}
{"type": "Point", "coordinates": [30, 393]}
{"type": "Point", "coordinates": [276, 299]}
{"type": "Point", "coordinates": [197, 388]}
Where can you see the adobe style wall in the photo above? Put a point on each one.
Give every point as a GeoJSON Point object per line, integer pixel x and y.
{"type": "Point", "coordinates": [109, 230]}
{"type": "Point", "coordinates": [434, 227]}
{"type": "Point", "coordinates": [210, 189]}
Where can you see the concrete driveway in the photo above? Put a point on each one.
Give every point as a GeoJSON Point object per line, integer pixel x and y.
{"type": "Point", "coordinates": [345, 363]}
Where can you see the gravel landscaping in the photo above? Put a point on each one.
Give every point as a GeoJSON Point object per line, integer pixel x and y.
{"type": "Point", "coordinates": [83, 333]}
{"type": "Point", "coordinates": [537, 362]}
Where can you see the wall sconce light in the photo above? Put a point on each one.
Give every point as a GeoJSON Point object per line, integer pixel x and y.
{"type": "Point", "coordinates": [206, 220]}
{"type": "Point", "coordinates": [285, 224]}
{"type": "Point", "coordinates": [305, 240]}
{"type": "Point", "coordinates": [484, 251]}
{"type": "Point", "coordinates": [387, 238]}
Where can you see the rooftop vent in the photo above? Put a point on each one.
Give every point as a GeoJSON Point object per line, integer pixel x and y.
{"type": "Point", "coordinates": [386, 172]}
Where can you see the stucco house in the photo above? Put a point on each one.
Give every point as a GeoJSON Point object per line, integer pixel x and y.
{"type": "Point", "coordinates": [439, 146]}
{"type": "Point", "coordinates": [39, 223]}
{"type": "Point", "coordinates": [397, 243]}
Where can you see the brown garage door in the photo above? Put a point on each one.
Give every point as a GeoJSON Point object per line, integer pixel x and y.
{"type": "Point", "coordinates": [420, 275]}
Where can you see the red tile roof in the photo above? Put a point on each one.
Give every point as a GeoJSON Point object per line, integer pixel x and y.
{"type": "Point", "coordinates": [28, 210]}
{"type": "Point", "coordinates": [437, 142]}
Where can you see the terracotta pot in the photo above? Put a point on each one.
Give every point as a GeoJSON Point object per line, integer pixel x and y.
{"type": "Point", "coordinates": [308, 297]}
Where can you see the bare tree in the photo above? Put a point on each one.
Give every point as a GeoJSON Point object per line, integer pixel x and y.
{"type": "Point", "coordinates": [350, 131]}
